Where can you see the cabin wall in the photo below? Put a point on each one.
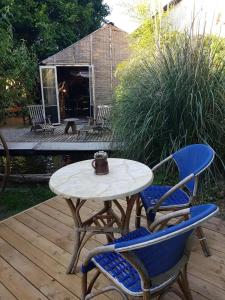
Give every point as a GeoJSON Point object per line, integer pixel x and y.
{"type": "Point", "coordinates": [78, 53]}
{"type": "Point", "coordinates": [110, 47]}
{"type": "Point", "coordinates": [101, 61]}
{"type": "Point", "coordinates": [104, 49]}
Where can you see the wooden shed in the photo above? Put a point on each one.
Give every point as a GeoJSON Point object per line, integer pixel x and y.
{"type": "Point", "coordinates": [80, 77]}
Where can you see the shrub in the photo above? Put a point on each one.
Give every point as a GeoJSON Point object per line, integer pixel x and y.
{"type": "Point", "coordinates": [171, 95]}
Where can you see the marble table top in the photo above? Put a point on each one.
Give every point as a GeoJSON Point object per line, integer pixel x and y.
{"type": "Point", "coordinates": [78, 180]}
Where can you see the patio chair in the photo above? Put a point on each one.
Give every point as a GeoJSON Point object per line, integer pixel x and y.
{"type": "Point", "coordinates": [39, 123]}
{"type": "Point", "coordinates": [191, 161]}
{"type": "Point", "coordinates": [102, 121]}
{"type": "Point", "coordinates": [146, 264]}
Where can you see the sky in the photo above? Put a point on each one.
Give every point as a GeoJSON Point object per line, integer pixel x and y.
{"type": "Point", "coordinates": [119, 16]}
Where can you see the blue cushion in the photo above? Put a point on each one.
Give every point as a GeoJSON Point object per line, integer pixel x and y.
{"type": "Point", "coordinates": [153, 193]}
{"type": "Point", "coordinates": [118, 267]}
{"type": "Point", "coordinates": [157, 259]}
{"type": "Point", "coordinates": [140, 232]}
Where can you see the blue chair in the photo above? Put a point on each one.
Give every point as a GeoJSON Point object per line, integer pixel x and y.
{"type": "Point", "coordinates": [191, 161]}
{"type": "Point", "coordinates": [144, 263]}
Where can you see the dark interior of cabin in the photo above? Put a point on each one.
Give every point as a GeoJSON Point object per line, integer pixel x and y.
{"type": "Point", "coordinates": [74, 97]}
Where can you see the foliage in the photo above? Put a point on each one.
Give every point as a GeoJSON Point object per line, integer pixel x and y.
{"type": "Point", "coordinates": [171, 95]}
{"type": "Point", "coordinates": [17, 69]}
{"type": "Point", "coordinates": [19, 198]}
{"type": "Point", "coordinates": [31, 30]}
{"type": "Point", "coordinates": [48, 26]}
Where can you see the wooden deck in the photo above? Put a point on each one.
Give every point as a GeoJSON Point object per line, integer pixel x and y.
{"type": "Point", "coordinates": [24, 135]}
{"type": "Point", "coordinates": [21, 141]}
{"type": "Point", "coordinates": [36, 245]}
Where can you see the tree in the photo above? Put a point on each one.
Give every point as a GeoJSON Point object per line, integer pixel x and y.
{"type": "Point", "coordinates": [48, 26]}
{"type": "Point", "coordinates": [18, 68]}
{"type": "Point", "coordinates": [31, 30]}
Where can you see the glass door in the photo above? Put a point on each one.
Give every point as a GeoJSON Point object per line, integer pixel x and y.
{"type": "Point", "coordinates": [92, 90]}
{"type": "Point", "coordinates": [49, 91]}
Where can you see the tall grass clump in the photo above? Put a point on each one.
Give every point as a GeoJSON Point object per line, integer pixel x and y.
{"type": "Point", "coordinates": [172, 95]}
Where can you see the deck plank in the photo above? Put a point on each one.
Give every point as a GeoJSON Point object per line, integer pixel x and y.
{"type": "Point", "coordinates": [51, 267]}
{"type": "Point", "coordinates": [17, 284]}
{"type": "Point", "coordinates": [40, 279]}
{"type": "Point", "coordinates": [49, 233]}
{"type": "Point", "coordinates": [40, 242]}
{"type": "Point", "coordinates": [36, 246]}
{"type": "Point", "coordinates": [5, 294]}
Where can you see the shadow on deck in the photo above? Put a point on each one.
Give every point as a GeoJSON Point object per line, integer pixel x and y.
{"type": "Point", "coordinates": [36, 245]}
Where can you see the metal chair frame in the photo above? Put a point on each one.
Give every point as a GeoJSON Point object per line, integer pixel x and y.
{"type": "Point", "coordinates": [179, 273]}
{"type": "Point", "coordinates": [102, 121]}
{"type": "Point", "coordinates": [179, 185]}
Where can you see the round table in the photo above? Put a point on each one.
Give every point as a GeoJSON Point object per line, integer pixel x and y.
{"type": "Point", "coordinates": [71, 122]}
{"type": "Point", "coordinates": [78, 183]}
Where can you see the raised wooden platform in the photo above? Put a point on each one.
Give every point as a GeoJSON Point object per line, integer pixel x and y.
{"type": "Point", "coordinates": [36, 245]}
{"type": "Point", "coordinates": [22, 141]}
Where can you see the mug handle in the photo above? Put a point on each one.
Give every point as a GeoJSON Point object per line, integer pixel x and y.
{"type": "Point", "coordinates": [93, 164]}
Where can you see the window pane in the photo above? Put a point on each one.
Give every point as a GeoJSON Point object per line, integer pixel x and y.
{"type": "Point", "coordinates": [50, 96]}
{"type": "Point", "coordinates": [48, 77]}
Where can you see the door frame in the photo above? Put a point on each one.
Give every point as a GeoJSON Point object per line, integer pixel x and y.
{"type": "Point", "coordinates": [91, 82]}
{"type": "Point", "coordinates": [91, 85]}
{"type": "Point", "coordinates": [56, 88]}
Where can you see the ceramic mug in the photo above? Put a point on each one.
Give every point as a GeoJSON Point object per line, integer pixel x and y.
{"type": "Point", "coordinates": [100, 163]}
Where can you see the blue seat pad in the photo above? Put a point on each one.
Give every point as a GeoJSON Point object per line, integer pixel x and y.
{"type": "Point", "coordinates": [151, 195]}
{"type": "Point", "coordinates": [118, 268]}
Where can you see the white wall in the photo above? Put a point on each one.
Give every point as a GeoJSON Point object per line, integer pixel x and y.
{"type": "Point", "coordinates": [207, 13]}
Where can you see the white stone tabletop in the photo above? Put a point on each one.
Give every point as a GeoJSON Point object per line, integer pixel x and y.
{"type": "Point", "coordinates": [78, 180]}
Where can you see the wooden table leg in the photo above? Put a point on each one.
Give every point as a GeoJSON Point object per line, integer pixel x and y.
{"type": "Point", "coordinates": [66, 128]}
{"type": "Point", "coordinates": [130, 204]}
{"type": "Point", "coordinates": [75, 208]}
{"type": "Point", "coordinates": [103, 222]}
{"type": "Point", "coordinates": [126, 215]}
{"type": "Point", "coordinates": [100, 223]}
{"type": "Point", "coordinates": [73, 127]}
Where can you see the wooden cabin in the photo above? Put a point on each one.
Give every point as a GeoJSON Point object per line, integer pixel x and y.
{"type": "Point", "coordinates": [80, 77]}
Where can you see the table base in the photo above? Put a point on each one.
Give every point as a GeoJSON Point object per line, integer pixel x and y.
{"type": "Point", "coordinates": [72, 125]}
{"type": "Point", "coordinates": [100, 223]}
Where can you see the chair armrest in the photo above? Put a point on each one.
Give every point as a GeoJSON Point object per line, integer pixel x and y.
{"type": "Point", "coordinates": [163, 220]}
{"type": "Point", "coordinates": [161, 163]}
{"type": "Point", "coordinates": [130, 257]}
{"type": "Point", "coordinates": [96, 251]}
{"type": "Point", "coordinates": [172, 190]}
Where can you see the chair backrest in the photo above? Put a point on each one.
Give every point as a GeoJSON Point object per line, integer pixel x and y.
{"type": "Point", "coordinates": [161, 251]}
{"type": "Point", "coordinates": [193, 159]}
{"type": "Point", "coordinates": [103, 114]}
{"type": "Point", "coordinates": [36, 113]}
